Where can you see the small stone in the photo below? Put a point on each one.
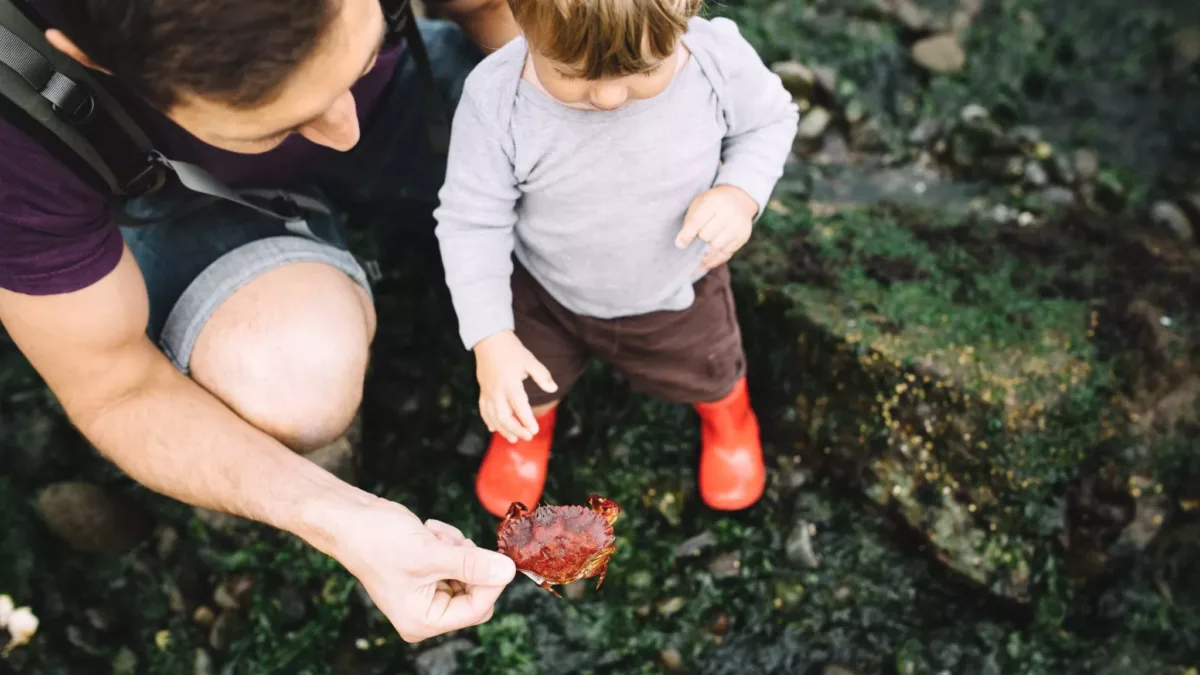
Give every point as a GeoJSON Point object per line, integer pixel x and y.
{"type": "Point", "coordinates": [696, 545]}
{"type": "Point", "coordinates": [855, 111]}
{"type": "Point", "coordinates": [726, 565]}
{"type": "Point", "coordinates": [93, 519]}
{"type": "Point", "coordinates": [1035, 175]}
{"type": "Point", "coordinates": [175, 600]}
{"type": "Point", "coordinates": [837, 669]}
{"type": "Point", "coordinates": [670, 606]}
{"type": "Point", "coordinates": [814, 124]}
{"type": "Point", "coordinates": [670, 658]}
{"type": "Point", "coordinates": [231, 593]}
{"type": "Point", "coordinates": [940, 54]}
{"type": "Point", "coordinates": [842, 593]}
{"type": "Point", "coordinates": [799, 547]}
{"type": "Point", "coordinates": [827, 78]}
{"type": "Point", "coordinates": [442, 659]}
{"type": "Point", "coordinates": [925, 131]}
{"type": "Point", "coordinates": [168, 541]}
{"type": "Point", "coordinates": [910, 15]}
{"type": "Point", "coordinates": [1172, 218]}
{"type": "Point", "coordinates": [797, 78]}
{"type": "Point", "coordinates": [640, 579]}
{"type": "Point", "coordinates": [125, 662]}
{"type": "Point", "coordinates": [574, 591]}
{"type": "Point", "coordinates": [1062, 170]}
{"type": "Point", "coordinates": [1187, 46]}
{"type": "Point", "coordinates": [972, 113]}
{"type": "Point", "coordinates": [643, 610]}
{"type": "Point", "coordinates": [1087, 165]}
{"type": "Point", "coordinates": [224, 599]}
{"type": "Point", "coordinates": [100, 619]}
{"type": "Point", "coordinates": [202, 664]}
{"type": "Point", "coordinates": [1055, 197]}
{"type": "Point", "coordinates": [471, 445]}
{"type": "Point", "coordinates": [203, 615]}
{"type": "Point", "coordinates": [221, 632]}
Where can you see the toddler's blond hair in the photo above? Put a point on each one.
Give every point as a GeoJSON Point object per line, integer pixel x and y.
{"type": "Point", "coordinates": [604, 38]}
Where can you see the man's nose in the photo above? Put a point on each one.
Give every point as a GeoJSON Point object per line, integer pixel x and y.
{"type": "Point", "coordinates": [337, 128]}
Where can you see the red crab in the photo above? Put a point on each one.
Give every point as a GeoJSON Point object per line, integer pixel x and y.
{"type": "Point", "coordinates": [556, 545]}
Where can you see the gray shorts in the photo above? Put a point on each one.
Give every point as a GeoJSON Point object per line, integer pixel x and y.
{"type": "Point", "coordinates": [195, 254]}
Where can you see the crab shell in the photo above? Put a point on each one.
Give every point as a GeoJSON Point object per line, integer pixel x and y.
{"type": "Point", "coordinates": [555, 545]}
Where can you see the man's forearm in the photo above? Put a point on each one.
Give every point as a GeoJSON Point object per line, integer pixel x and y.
{"type": "Point", "coordinates": [175, 438]}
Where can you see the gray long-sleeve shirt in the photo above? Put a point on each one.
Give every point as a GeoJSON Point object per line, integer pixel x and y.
{"type": "Point", "coordinates": [591, 202]}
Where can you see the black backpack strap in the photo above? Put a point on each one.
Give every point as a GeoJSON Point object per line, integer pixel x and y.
{"type": "Point", "coordinates": [402, 24]}
{"type": "Point", "coordinates": [51, 97]}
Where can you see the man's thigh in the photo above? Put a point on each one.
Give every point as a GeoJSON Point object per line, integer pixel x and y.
{"type": "Point", "coordinates": [394, 168]}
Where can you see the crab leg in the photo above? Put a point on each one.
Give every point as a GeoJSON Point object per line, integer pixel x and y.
{"type": "Point", "coordinates": [601, 562]}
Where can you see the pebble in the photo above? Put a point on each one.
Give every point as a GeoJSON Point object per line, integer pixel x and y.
{"type": "Point", "coordinates": [799, 546]}
{"type": "Point", "coordinates": [814, 124]}
{"type": "Point", "coordinates": [442, 659]}
{"type": "Point", "coordinates": [925, 131]}
{"type": "Point", "coordinates": [797, 78]}
{"type": "Point", "coordinates": [471, 445]}
{"type": "Point", "coordinates": [574, 591]}
{"type": "Point", "coordinates": [100, 619]}
{"type": "Point", "coordinates": [826, 78]}
{"type": "Point", "coordinates": [670, 658]}
{"type": "Point", "coordinates": [1063, 170]}
{"type": "Point", "coordinates": [203, 615]}
{"type": "Point", "coordinates": [726, 565]}
{"type": "Point", "coordinates": [696, 545]}
{"type": "Point", "coordinates": [1087, 165]}
{"type": "Point", "coordinates": [640, 579]}
{"type": "Point", "coordinates": [168, 541]}
{"type": "Point", "coordinates": [1171, 217]}
{"type": "Point", "coordinates": [940, 54]}
{"type": "Point", "coordinates": [202, 664]}
{"type": "Point", "coordinates": [842, 593]}
{"type": "Point", "coordinates": [221, 631]}
{"type": "Point", "coordinates": [670, 606]}
{"type": "Point", "coordinates": [643, 610]}
{"type": "Point", "coordinates": [125, 662]}
{"type": "Point", "coordinates": [837, 669]}
{"type": "Point", "coordinates": [855, 111]}
{"type": "Point", "coordinates": [1035, 174]}
{"type": "Point", "coordinates": [973, 112]}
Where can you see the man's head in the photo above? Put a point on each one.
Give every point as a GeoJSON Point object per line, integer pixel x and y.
{"type": "Point", "coordinates": [602, 53]}
{"type": "Point", "coordinates": [238, 74]}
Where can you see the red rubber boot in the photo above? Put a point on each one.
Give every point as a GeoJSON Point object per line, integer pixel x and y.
{"type": "Point", "coordinates": [515, 472]}
{"type": "Point", "coordinates": [732, 473]}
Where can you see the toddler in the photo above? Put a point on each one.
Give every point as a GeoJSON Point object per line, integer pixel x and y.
{"type": "Point", "coordinates": [620, 151]}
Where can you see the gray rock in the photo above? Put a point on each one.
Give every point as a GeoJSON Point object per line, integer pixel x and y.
{"type": "Point", "coordinates": [471, 445]}
{"type": "Point", "coordinates": [799, 547]}
{"type": "Point", "coordinates": [202, 664]}
{"type": "Point", "coordinates": [442, 659]}
{"type": "Point", "coordinates": [797, 78]}
{"type": "Point", "coordinates": [1172, 218]}
{"type": "Point", "coordinates": [669, 606]}
{"type": "Point", "coordinates": [726, 566]}
{"type": "Point", "coordinates": [837, 669]}
{"type": "Point", "coordinates": [1035, 175]}
{"type": "Point", "coordinates": [221, 632]}
{"type": "Point", "coordinates": [855, 111]}
{"type": "Point", "coordinates": [940, 54]}
{"type": "Point", "coordinates": [1055, 197]}
{"type": "Point", "coordinates": [696, 545]}
{"type": "Point", "coordinates": [1062, 170]}
{"type": "Point", "coordinates": [925, 131]}
{"type": "Point", "coordinates": [92, 519]}
{"type": "Point", "coordinates": [827, 78]}
{"type": "Point", "coordinates": [168, 541]}
{"type": "Point", "coordinates": [1087, 165]}
{"type": "Point", "coordinates": [100, 619]}
{"type": "Point", "coordinates": [910, 14]}
{"type": "Point", "coordinates": [813, 124]}
{"type": "Point", "coordinates": [973, 113]}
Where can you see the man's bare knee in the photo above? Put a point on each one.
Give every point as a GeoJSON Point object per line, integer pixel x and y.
{"type": "Point", "coordinates": [288, 352]}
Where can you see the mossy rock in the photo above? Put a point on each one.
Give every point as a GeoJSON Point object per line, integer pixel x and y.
{"type": "Point", "coordinates": [92, 519]}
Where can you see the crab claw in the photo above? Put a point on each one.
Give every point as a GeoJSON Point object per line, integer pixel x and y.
{"type": "Point", "coordinates": [516, 510]}
{"type": "Point", "coordinates": [607, 508]}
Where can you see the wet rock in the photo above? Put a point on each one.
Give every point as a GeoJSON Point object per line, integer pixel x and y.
{"type": "Point", "coordinates": [726, 565]}
{"type": "Point", "coordinates": [940, 54]}
{"type": "Point", "coordinates": [92, 519]}
{"type": "Point", "coordinates": [338, 458]}
{"type": "Point", "coordinates": [670, 658]}
{"type": "Point", "coordinates": [202, 663]}
{"type": "Point", "coordinates": [1087, 165]}
{"type": "Point", "coordinates": [442, 659]}
{"type": "Point", "coordinates": [125, 662]}
{"type": "Point", "coordinates": [799, 547]}
{"type": "Point", "coordinates": [471, 445]}
{"type": "Point", "coordinates": [797, 78]}
{"type": "Point", "coordinates": [696, 545]}
{"type": "Point", "coordinates": [168, 541]}
{"type": "Point", "coordinates": [1172, 218]}
{"type": "Point", "coordinates": [670, 606]}
{"type": "Point", "coordinates": [1036, 175]}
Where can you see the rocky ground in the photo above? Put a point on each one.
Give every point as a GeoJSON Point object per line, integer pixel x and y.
{"type": "Point", "coordinates": [972, 315]}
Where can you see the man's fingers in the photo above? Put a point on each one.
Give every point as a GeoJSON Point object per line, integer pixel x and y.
{"type": "Point", "coordinates": [541, 376]}
{"type": "Point", "coordinates": [470, 565]}
{"type": "Point", "coordinates": [446, 532]}
{"type": "Point", "coordinates": [697, 217]}
{"type": "Point", "coordinates": [470, 609]}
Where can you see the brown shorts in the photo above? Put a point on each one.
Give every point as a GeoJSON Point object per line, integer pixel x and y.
{"type": "Point", "coordinates": [694, 355]}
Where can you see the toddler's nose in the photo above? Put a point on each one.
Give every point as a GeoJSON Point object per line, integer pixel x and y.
{"type": "Point", "coordinates": [608, 96]}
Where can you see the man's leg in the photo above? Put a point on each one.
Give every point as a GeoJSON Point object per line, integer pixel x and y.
{"type": "Point", "coordinates": [277, 326]}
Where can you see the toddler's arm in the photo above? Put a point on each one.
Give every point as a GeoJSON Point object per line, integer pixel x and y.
{"type": "Point", "coordinates": [760, 114]}
{"type": "Point", "coordinates": [475, 224]}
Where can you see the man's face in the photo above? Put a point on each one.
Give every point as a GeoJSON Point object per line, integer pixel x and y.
{"type": "Point", "coordinates": [314, 102]}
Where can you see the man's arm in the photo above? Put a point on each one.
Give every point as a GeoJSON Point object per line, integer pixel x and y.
{"type": "Point", "coordinates": [489, 23]}
{"type": "Point", "coordinates": [172, 436]}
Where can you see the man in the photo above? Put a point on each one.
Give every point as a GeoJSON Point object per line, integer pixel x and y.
{"type": "Point", "coordinates": [258, 338]}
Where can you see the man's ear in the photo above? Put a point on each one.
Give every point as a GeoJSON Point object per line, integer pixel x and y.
{"type": "Point", "coordinates": [64, 44]}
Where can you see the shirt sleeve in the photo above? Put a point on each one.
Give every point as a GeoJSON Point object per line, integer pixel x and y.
{"type": "Point", "coordinates": [57, 233]}
{"type": "Point", "coordinates": [760, 114]}
{"type": "Point", "coordinates": [475, 221]}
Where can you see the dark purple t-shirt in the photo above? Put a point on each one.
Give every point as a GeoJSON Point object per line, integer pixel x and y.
{"type": "Point", "coordinates": [58, 234]}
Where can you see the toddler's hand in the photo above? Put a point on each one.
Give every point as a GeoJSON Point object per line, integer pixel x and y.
{"type": "Point", "coordinates": [722, 218]}
{"type": "Point", "coordinates": [501, 365]}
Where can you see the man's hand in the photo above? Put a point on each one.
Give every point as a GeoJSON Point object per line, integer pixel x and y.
{"type": "Point", "coordinates": [722, 218]}
{"type": "Point", "coordinates": [426, 578]}
{"type": "Point", "coordinates": [501, 364]}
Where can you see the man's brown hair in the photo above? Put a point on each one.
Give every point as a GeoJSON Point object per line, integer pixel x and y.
{"type": "Point", "coordinates": [239, 52]}
{"type": "Point", "coordinates": [604, 38]}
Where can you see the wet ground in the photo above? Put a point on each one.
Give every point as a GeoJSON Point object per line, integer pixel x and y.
{"type": "Point", "coordinates": [973, 344]}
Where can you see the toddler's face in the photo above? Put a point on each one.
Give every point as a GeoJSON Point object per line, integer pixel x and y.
{"type": "Point", "coordinates": [563, 83]}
